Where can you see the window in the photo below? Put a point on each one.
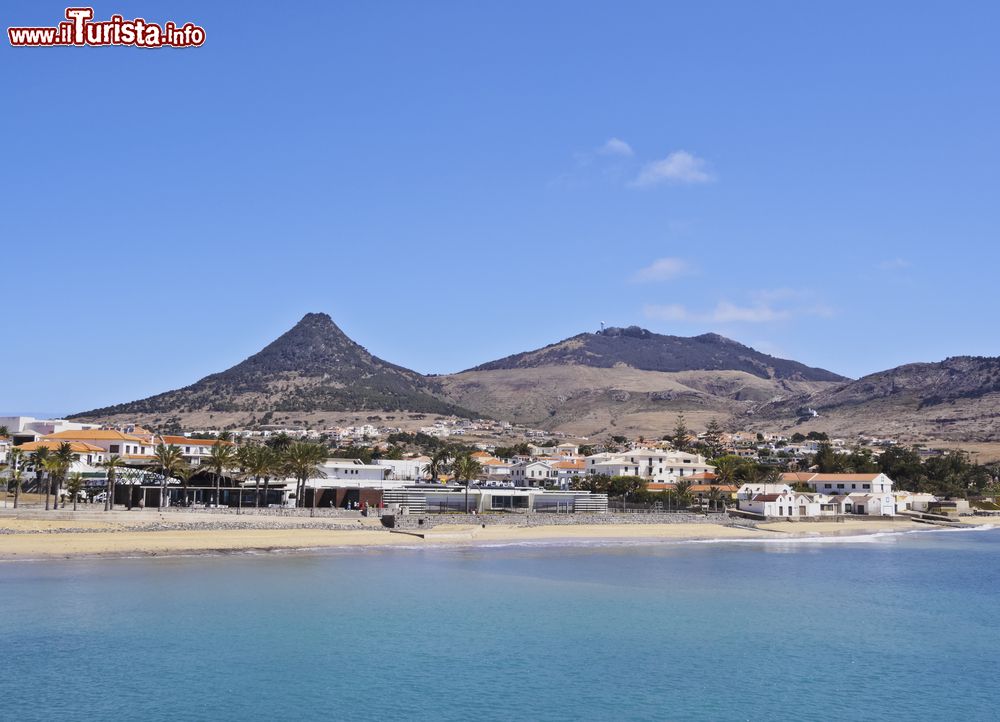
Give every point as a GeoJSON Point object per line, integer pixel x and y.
{"type": "Point", "coordinates": [114, 448]}
{"type": "Point", "coordinates": [840, 486]}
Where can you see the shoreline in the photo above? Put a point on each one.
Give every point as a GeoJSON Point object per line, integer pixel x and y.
{"type": "Point", "coordinates": [41, 540]}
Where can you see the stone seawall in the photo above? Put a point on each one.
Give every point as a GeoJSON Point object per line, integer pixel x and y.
{"type": "Point", "coordinates": [427, 521]}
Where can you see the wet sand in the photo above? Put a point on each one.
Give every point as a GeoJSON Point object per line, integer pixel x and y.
{"type": "Point", "coordinates": [130, 535]}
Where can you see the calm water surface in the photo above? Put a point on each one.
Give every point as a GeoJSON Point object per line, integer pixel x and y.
{"type": "Point", "coordinates": [887, 627]}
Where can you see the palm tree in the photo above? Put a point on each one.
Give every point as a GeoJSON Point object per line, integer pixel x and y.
{"type": "Point", "coordinates": [714, 496]}
{"type": "Point", "coordinates": [51, 465]}
{"type": "Point", "coordinates": [15, 479]}
{"type": "Point", "coordinates": [64, 457]}
{"type": "Point", "coordinates": [683, 491]}
{"type": "Point", "coordinates": [280, 441]}
{"type": "Point", "coordinates": [185, 473]}
{"type": "Point", "coordinates": [438, 463]}
{"type": "Point", "coordinates": [728, 469]}
{"type": "Point", "coordinates": [220, 458]}
{"type": "Point", "coordinates": [74, 485]}
{"type": "Point", "coordinates": [465, 468]}
{"type": "Point", "coordinates": [259, 464]}
{"type": "Point", "coordinates": [169, 459]}
{"type": "Point", "coordinates": [275, 467]}
{"type": "Point", "coordinates": [38, 458]}
{"type": "Point", "coordinates": [14, 468]}
{"type": "Point", "coordinates": [303, 459]}
{"type": "Point", "coordinates": [111, 466]}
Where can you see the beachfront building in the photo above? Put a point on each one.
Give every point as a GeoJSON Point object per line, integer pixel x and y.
{"type": "Point", "coordinates": [445, 498]}
{"type": "Point", "coordinates": [410, 469]}
{"type": "Point", "coordinates": [533, 473]}
{"type": "Point", "coordinates": [653, 465]}
{"type": "Point", "coordinates": [23, 429]}
{"type": "Point", "coordinates": [133, 449]}
{"type": "Point", "coordinates": [787, 505]}
{"type": "Point", "coordinates": [84, 455]}
{"type": "Point", "coordinates": [336, 471]}
{"type": "Point", "coordinates": [749, 491]}
{"type": "Point", "coordinates": [866, 494]}
{"type": "Point", "coordinates": [194, 451]}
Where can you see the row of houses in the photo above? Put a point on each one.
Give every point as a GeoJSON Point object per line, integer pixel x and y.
{"type": "Point", "coordinates": [829, 495]}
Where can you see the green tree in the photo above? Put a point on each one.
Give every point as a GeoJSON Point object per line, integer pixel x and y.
{"type": "Point", "coordinates": [682, 491]}
{"type": "Point", "coordinates": [303, 460]}
{"type": "Point", "coordinates": [713, 439]}
{"type": "Point", "coordinates": [38, 459]}
{"type": "Point", "coordinates": [185, 472]}
{"type": "Point", "coordinates": [438, 464]}
{"type": "Point", "coordinates": [64, 460]}
{"type": "Point", "coordinates": [111, 465]}
{"type": "Point", "coordinates": [15, 481]}
{"type": "Point", "coordinates": [594, 483]}
{"type": "Point", "coordinates": [74, 485]}
{"type": "Point", "coordinates": [466, 469]}
{"type": "Point", "coordinates": [168, 459]}
{"type": "Point", "coordinates": [680, 438]}
{"type": "Point", "coordinates": [828, 461]}
{"type": "Point", "coordinates": [51, 465]}
{"type": "Point", "coordinates": [221, 457]}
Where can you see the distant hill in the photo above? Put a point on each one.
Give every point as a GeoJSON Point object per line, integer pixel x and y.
{"type": "Point", "coordinates": [313, 367]}
{"type": "Point", "coordinates": [958, 398]}
{"type": "Point", "coordinates": [641, 349]}
{"type": "Point", "coordinates": [619, 381]}
{"type": "Point", "coordinates": [632, 381]}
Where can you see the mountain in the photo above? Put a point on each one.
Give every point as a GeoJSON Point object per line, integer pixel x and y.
{"type": "Point", "coordinates": [632, 381]}
{"type": "Point", "coordinates": [626, 381]}
{"type": "Point", "coordinates": [641, 349]}
{"type": "Point", "coordinates": [958, 398]}
{"type": "Point", "coordinates": [314, 367]}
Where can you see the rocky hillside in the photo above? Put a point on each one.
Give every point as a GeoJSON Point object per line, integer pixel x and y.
{"type": "Point", "coordinates": [958, 398]}
{"type": "Point", "coordinates": [630, 380]}
{"type": "Point", "coordinates": [313, 367]}
{"type": "Point", "coordinates": [641, 349]}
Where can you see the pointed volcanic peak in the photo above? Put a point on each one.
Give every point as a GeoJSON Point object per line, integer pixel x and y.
{"type": "Point", "coordinates": [642, 349]}
{"type": "Point", "coordinates": [312, 367]}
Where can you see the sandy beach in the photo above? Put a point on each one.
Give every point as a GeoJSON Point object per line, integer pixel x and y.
{"type": "Point", "coordinates": [123, 534]}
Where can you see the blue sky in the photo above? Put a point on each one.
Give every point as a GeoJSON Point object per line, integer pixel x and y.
{"type": "Point", "coordinates": [454, 182]}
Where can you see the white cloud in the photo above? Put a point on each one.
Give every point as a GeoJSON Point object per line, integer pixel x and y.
{"type": "Point", "coordinates": [894, 264]}
{"type": "Point", "coordinates": [669, 312]}
{"type": "Point", "coordinates": [678, 167]}
{"type": "Point", "coordinates": [727, 312]}
{"type": "Point", "coordinates": [662, 269]}
{"type": "Point", "coordinates": [616, 146]}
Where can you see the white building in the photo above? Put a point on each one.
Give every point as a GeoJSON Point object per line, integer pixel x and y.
{"type": "Point", "coordinates": [533, 473]}
{"type": "Point", "coordinates": [413, 469]}
{"type": "Point", "coordinates": [867, 494]}
{"type": "Point", "coordinates": [788, 505]}
{"type": "Point", "coordinates": [338, 471]}
{"type": "Point", "coordinates": [194, 451]}
{"type": "Point", "coordinates": [656, 465]}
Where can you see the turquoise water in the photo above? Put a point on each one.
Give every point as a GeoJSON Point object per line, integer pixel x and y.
{"type": "Point", "coordinates": [887, 627]}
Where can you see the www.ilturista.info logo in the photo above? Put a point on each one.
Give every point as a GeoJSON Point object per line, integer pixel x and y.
{"type": "Point", "coordinates": [80, 29]}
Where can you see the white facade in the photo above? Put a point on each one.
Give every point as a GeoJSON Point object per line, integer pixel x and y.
{"type": "Point", "coordinates": [337, 471]}
{"type": "Point", "coordinates": [410, 469]}
{"type": "Point", "coordinates": [658, 465]}
{"type": "Point", "coordinates": [533, 473]}
{"type": "Point", "coordinates": [789, 505]}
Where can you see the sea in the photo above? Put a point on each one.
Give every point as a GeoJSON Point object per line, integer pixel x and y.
{"type": "Point", "coordinates": [881, 627]}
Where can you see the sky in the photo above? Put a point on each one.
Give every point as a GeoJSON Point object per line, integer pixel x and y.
{"type": "Point", "coordinates": [454, 182]}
